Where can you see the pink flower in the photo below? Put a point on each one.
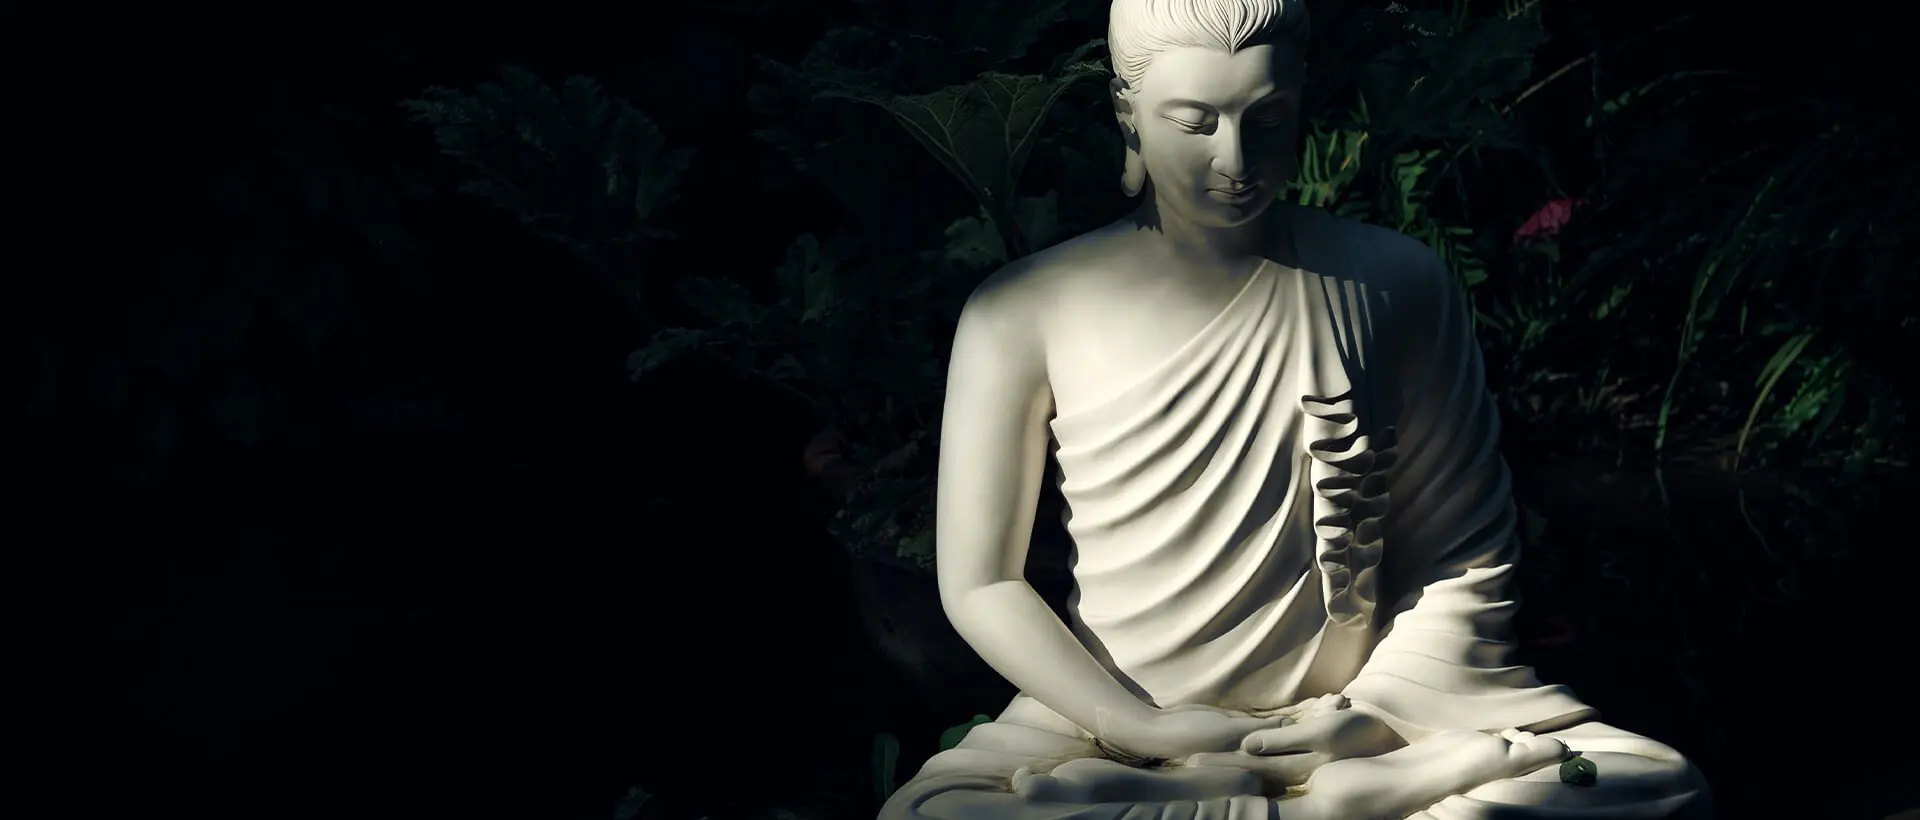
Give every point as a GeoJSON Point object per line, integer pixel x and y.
{"type": "Point", "coordinates": [1546, 222]}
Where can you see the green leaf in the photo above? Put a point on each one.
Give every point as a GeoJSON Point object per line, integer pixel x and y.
{"type": "Point", "coordinates": [1579, 771]}
{"type": "Point", "coordinates": [667, 346]}
{"type": "Point", "coordinates": [576, 166]}
{"type": "Point", "coordinates": [786, 368]}
{"type": "Point", "coordinates": [982, 131]}
{"type": "Point", "coordinates": [886, 760]}
{"type": "Point", "coordinates": [1039, 218]}
{"type": "Point", "coordinates": [952, 737]}
{"type": "Point", "coordinates": [629, 806]}
{"type": "Point", "coordinates": [1770, 375]}
{"type": "Point", "coordinates": [1630, 97]}
{"type": "Point", "coordinates": [918, 548]}
{"type": "Point", "coordinates": [974, 243]}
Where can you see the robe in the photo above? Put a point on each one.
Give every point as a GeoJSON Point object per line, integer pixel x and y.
{"type": "Point", "coordinates": [1307, 497]}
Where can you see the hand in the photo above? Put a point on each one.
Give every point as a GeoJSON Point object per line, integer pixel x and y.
{"type": "Point", "coordinates": [1311, 707]}
{"type": "Point", "coordinates": [1338, 732]}
{"type": "Point", "coordinates": [1179, 732]}
{"type": "Point", "coordinates": [1326, 730]}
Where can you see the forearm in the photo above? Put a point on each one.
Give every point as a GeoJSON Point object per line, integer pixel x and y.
{"type": "Point", "coordinates": [1017, 634]}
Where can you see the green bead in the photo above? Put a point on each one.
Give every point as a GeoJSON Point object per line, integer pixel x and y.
{"type": "Point", "coordinates": [1579, 771]}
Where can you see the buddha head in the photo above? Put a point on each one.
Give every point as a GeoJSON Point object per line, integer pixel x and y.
{"type": "Point", "coordinates": [1207, 93]}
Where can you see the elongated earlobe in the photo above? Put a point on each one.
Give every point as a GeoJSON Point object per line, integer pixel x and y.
{"type": "Point", "coordinates": [1134, 178]}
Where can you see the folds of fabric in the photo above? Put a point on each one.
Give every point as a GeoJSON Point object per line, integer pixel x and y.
{"type": "Point", "coordinates": [1306, 497]}
{"type": "Point", "coordinates": [1188, 513]}
{"type": "Point", "coordinates": [1418, 498]}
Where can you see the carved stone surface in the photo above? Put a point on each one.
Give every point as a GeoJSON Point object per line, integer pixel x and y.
{"type": "Point", "coordinates": [1294, 546]}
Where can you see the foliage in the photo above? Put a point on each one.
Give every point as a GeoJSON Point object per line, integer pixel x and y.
{"type": "Point", "coordinates": [576, 166]}
{"type": "Point", "coordinates": [1438, 127]}
{"type": "Point", "coordinates": [1797, 281]}
{"type": "Point", "coordinates": [885, 765]}
{"type": "Point", "coordinates": [958, 78]}
{"type": "Point", "coordinates": [983, 131]}
{"type": "Point", "coordinates": [952, 737]}
{"type": "Point", "coordinates": [631, 804]}
{"type": "Point", "coordinates": [1438, 88]}
{"type": "Point", "coordinates": [1420, 122]}
{"type": "Point", "coordinates": [1422, 99]}
{"type": "Point", "coordinates": [886, 755]}
{"type": "Point", "coordinates": [1429, 128]}
{"type": "Point", "coordinates": [858, 326]}
{"type": "Point", "coordinates": [861, 337]}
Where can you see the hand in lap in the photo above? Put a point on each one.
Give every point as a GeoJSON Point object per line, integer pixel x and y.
{"type": "Point", "coordinates": [1137, 771]}
{"type": "Point", "coordinates": [1283, 748]}
{"type": "Point", "coordinates": [1321, 731]}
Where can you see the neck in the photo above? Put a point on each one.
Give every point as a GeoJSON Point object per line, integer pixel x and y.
{"type": "Point", "coordinates": [1204, 244]}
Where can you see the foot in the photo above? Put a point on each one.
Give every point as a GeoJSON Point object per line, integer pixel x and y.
{"type": "Point", "coordinates": [1406, 780]}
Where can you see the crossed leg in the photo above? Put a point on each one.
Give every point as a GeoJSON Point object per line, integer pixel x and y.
{"type": "Point", "coordinates": [1033, 765]}
{"type": "Point", "coordinates": [1390, 786]}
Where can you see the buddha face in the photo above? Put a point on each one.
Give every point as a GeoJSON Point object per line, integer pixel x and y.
{"type": "Point", "coordinates": [1216, 131]}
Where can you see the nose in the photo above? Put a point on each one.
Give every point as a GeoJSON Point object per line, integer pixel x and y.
{"type": "Point", "coordinates": [1230, 156]}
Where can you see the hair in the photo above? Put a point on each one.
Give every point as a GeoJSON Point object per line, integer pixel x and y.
{"type": "Point", "coordinates": [1138, 30]}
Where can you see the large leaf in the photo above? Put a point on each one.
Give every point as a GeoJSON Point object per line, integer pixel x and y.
{"type": "Point", "coordinates": [973, 243]}
{"type": "Point", "coordinates": [951, 738]}
{"type": "Point", "coordinates": [667, 346]}
{"type": "Point", "coordinates": [544, 154]}
{"type": "Point", "coordinates": [577, 166]}
{"type": "Point", "coordinates": [981, 131]}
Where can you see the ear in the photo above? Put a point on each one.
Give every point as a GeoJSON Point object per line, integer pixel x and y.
{"type": "Point", "coordinates": [1133, 176]}
{"type": "Point", "coordinates": [1122, 98]}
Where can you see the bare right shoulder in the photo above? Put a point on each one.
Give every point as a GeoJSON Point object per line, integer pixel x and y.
{"type": "Point", "coordinates": [1018, 302]}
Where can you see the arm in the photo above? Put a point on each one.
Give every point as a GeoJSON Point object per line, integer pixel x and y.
{"type": "Point", "coordinates": [992, 453]}
{"type": "Point", "coordinates": [1451, 552]}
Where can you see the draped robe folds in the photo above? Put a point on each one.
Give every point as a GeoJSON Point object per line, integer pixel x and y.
{"type": "Point", "coordinates": [1307, 497]}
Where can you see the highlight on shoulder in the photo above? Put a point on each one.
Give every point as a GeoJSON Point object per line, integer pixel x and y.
{"type": "Point", "coordinates": [1024, 288]}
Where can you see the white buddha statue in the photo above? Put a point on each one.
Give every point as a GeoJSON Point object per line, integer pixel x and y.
{"type": "Point", "coordinates": [1294, 547]}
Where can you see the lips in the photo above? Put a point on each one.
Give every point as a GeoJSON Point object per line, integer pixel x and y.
{"type": "Point", "coordinates": [1240, 194]}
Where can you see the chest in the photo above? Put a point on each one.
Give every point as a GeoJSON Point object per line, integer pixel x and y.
{"type": "Point", "coordinates": [1101, 343]}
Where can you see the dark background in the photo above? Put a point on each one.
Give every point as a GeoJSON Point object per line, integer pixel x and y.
{"type": "Point", "coordinates": [432, 576]}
